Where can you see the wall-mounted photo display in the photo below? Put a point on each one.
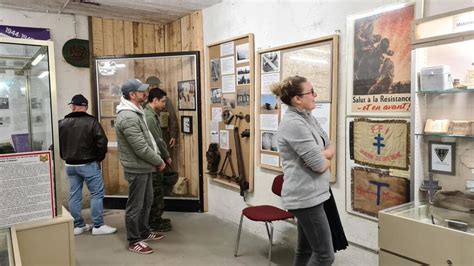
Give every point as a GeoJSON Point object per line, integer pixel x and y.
{"type": "Point", "coordinates": [269, 141]}
{"type": "Point", "coordinates": [216, 95]}
{"type": "Point", "coordinates": [242, 54]}
{"type": "Point", "coordinates": [228, 100]}
{"type": "Point", "coordinates": [243, 75]}
{"type": "Point", "coordinates": [243, 97]}
{"type": "Point", "coordinates": [187, 95]}
{"type": "Point", "coordinates": [271, 62]}
{"type": "Point", "coordinates": [231, 89]}
{"type": "Point", "coordinates": [441, 156]}
{"type": "Point", "coordinates": [268, 103]}
{"type": "Point", "coordinates": [316, 60]}
{"type": "Point", "coordinates": [187, 124]}
{"type": "Point", "coordinates": [215, 69]}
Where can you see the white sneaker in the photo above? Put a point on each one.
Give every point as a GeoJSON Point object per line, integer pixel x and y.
{"type": "Point", "coordinates": [103, 230]}
{"type": "Point", "coordinates": [80, 230]}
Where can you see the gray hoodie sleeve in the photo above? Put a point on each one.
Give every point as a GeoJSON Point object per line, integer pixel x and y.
{"type": "Point", "coordinates": [298, 136]}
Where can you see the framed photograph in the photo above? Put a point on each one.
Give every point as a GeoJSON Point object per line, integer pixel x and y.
{"type": "Point", "coordinates": [242, 54]}
{"type": "Point", "coordinates": [441, 157]}
{"type": "Point", "coordinates": [270, 62]}
{"type": "Point", "coordinates": [269, 141]}
{"type": "Point", "coordinates": [379, 61]}
{"type": "Point", "coordinates": [243, 75]}
{"type": "Point", "coordinates": [215, 69]}
{"type": "Point", "coordinates": [187, 95]}
{"type": "Point", "coordinates": [187, 124]}
{"type": "Point", "coordinates": [216, 95]}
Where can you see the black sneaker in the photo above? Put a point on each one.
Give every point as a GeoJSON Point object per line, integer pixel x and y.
{"type": "Point", "coordinates": [165, 221]}
{"type": "Point", "coordinates": [162, 227]}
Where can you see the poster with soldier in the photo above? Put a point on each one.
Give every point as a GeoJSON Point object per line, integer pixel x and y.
{"type": "Point", "coordinates": [381, 65]}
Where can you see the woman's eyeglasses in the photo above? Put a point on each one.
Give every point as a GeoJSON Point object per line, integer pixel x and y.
{"type": "Point", "coordinates": [303, 94]}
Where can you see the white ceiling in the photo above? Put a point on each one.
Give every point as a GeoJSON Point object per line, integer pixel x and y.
{"type": "Point", "coordinates": [150, 11]}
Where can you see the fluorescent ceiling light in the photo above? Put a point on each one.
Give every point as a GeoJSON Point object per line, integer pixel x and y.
{"type": "Point", "coordinates": [43, 74]}
{"type": "Point", "coordinates": [37, 59]}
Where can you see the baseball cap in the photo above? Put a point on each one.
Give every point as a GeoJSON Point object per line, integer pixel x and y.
{"type": "Point", "coordinates": [153, 80]}
{"type": "Point", "coordinates": [133, 85]}
{"type": "Point", "coordinates": [79, 99]}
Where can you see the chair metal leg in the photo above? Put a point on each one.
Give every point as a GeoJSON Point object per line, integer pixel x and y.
{"type": "Point", "coordinates": [238, 235]}
{"type": "Point", "coordinates": [270, 238]}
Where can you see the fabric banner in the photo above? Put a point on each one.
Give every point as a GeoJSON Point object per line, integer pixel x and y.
{"type": "Point", "coordinates": [374, 190]}
{"type": "Point", "coordinates": [24, 32]}
{"type": "Point", "coordinates": [381, 143]}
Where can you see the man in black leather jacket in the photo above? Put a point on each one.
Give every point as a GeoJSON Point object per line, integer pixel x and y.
{"type": "Point", "coordinates": [83, 146]}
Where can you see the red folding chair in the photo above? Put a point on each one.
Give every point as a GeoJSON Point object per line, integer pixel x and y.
{"type": "Point", "coordinates": [266, 214]}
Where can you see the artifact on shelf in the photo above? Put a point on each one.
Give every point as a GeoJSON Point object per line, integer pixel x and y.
{"type": "Point", "coordinates": [440, 126]}
{"type": "Point", "coordinates": [431, 186]}
{"type": "Point", "coordinates": [457, 220]}
{"type": "Point", "coordinates": [436, 78]}
{"type": "Point", "coordinates": [470, 77]}
{"type": "Point", "coordinates": [457, 85]}
{"type": "Point", "coordinates": [461, 127]}
{"type": "Point", "coordinates": [455, 200]}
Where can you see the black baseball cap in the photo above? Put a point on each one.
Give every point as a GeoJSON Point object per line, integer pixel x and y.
{"type": "Point", "coordinates": [79, 99]}
{"type": "Point", "coordinates": [133, 85]}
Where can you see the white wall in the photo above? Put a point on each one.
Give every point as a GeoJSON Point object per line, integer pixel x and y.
{"type": "Point", "coordinates": [70, 80]}
{"type": "Point", "coordinates": [276, 23]}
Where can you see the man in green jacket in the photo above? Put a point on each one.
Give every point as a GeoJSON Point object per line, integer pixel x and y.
{"type": "Point", "coordinates": [156, 102]}
{"type": "Point", "coordinates": [140, 157]}
{"type": "Point", "coordinates": [168, 120]}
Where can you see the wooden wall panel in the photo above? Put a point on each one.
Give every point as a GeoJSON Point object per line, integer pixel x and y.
{"type": "Point", "coordinates": [97, 37]}
{"type": "Point", "coordinates": [128, 37]}
{"type": "Point", "coordinates": [111, 37]}
{"type": "Point", "coordinates": [119, 43]}
{"type": "Point", "coordinates": [108, 29]}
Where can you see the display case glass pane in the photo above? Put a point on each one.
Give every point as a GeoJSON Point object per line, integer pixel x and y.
{"type": "Point", "coordinates": [178, 76]}
{"type": "Point", "coordinates": [429, 214]}
{"type": "Point", "coordinates": [444, 115]}
{"type": "Point", "coordinates": [25, 99]}
{"type": "Point", "coordinates": [6, 251]}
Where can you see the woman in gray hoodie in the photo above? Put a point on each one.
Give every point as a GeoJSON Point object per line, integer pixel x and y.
{"type": "Point", "coordinates": [306, 153]}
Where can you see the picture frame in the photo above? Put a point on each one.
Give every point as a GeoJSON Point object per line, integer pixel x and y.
{"type": "Point", "coordinates": [187, 95]}
{"type": "Point", "coordinates": [187, 124]}
{"type": "Point", "coordinates": [380, 85]}
{"type": "Point", "coordinates": [442, 157]}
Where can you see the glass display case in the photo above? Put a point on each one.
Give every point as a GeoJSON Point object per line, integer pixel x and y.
{"type": "Point", "coordinates": [6, 249]}
{"type": "Point", "coordinates": [443, 97]}
{"type": "Point", "coordinates": [27, 127]}
{"type": "Point", "coordinates": [25, 98]}
{"type": "Point", "coordinates": [178, 74]}
{"type": "Point", "coordinates": [437, 227]}
{"type": "Point", "coordinates": [422, 234]}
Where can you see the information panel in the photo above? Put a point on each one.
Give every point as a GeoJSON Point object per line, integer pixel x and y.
{"type": "Point", "coordinates": [26, 187]}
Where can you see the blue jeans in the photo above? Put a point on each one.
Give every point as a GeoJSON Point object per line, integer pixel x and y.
{"type": "Point", "coordinates": [91, 174]}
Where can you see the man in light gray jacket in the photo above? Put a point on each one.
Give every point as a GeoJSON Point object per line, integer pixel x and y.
{"type": "Point", "coordinates": [140, 157]}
